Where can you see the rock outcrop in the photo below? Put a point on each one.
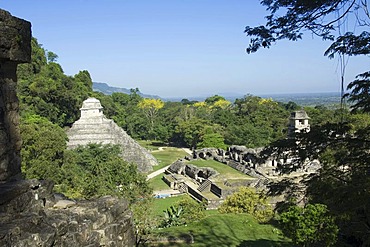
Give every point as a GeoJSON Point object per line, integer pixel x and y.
{"type": "Point", "coordinates": [94, 127]}
{"type": "Point", "coordinates": [15, 48]}
{"type": "Point", "coordinates": [31, 215]}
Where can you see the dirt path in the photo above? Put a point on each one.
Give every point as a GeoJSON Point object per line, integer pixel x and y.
{"type": "Point", "coordinates": [187, 150]}
{"type": "Point", "coordinates": [156, 173]}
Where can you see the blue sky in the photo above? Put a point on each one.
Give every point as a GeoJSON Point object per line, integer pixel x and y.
{"type": "Point", "coordinates": [178, 48]}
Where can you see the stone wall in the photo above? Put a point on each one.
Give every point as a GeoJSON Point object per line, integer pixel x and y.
{"type": "Point", "coordinates": [249, 161]}
{"type": "Point", "coordinates": [15, 48]}
{"type": "Point", "coordinates": [31, 215]}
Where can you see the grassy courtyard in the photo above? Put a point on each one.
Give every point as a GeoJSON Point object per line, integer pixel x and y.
{"type": "Point", "coordinates": [225, 230]}
{"type": "Point", "coordinates": [225, 171]}
{"type": "Point", "coordinates": [167, 155]}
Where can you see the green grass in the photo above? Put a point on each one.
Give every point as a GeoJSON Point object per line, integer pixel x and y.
{"type": "Point", "coordinates": [167, 156]}
{"type": "Point", "coordinates": [159, 205]}
{"type": "Point", "coordinates": [151, 145]}
{"type": "Point", "coordinates": [226, 172]}
{"type": "Point", "coordinates": [158, 184]}
{"type": "Point", "coordinates": [227, 230]}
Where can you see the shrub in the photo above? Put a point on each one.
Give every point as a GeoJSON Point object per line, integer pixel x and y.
{"type": "Point", "coordinates": [247, 200]}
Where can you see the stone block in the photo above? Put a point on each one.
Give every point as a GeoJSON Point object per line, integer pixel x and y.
{"type": "Point", "coordinates": [15, 39]}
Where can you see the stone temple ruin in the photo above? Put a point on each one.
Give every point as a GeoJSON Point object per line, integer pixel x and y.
{"type": "Point", "coordinates": [94, 127]}
{"type": "Point", "coordinates": [248, 161]}
{"type": "Point", "coordinates": [30, 213]}
{"type": "Point", "coordinates": [200, 183]}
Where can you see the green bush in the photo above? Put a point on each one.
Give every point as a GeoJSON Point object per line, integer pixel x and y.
{"type": "Point", "coordinates": [310, 225]}
{"type": "Point", "coordinates": [247, 200]}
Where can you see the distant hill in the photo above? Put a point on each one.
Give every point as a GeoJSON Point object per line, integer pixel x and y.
{"type": "Point", "coordinates": [303, 99]}
{"type": "Point", "coordinates": [106, 89]}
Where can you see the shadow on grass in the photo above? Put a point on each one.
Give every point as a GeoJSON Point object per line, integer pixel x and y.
{"type": "Point", "coordinates": [158, 144]}
{"type": "Point", "coordinates": [263, 243]}
{"type": "Point", "coordinates": [232, 231]}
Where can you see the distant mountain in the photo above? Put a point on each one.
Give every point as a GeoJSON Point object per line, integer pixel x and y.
{"type": "Point", "coordinates": [106, 89]}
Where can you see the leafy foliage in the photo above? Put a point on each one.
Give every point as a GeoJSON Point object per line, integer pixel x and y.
{"type": "Point", "coordinates": [45, 90]}
{"type": "Point", "coordinates": [192, 210]}
{"type": "Point", "coordinates": [289, 19]}
{"type": "Point", "coordinates": [43, 147]}
{"type": "Point", "coordinates": [360, 93]}
{"type": "Point", "coordinates": [144, 221]}
{"type": "Point", "coordinates": [150, 108]}
{"type": "Point", "coordinates": [342, 143]}
{"type": "Point", "coordinates": [183, 212]}
{"type": "Point", "coordinates": [310, 225]}
{"type": "Point", "coordinates": [247, 200]}
{"type": "Point", "coordinates": [172, 216]}
{"type": "Point", "coordinates": [340, 184]}
{"type": "Point", "coordinates": [103, 172]}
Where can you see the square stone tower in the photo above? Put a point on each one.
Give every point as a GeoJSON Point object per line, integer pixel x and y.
{"type": "Point", "coordinates": [298, 122]}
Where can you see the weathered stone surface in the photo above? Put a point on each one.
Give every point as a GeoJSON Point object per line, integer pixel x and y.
{"type": "Point", "coordinates": [64, 204]}
{"type": "Point", "coordinates": [15, 47]}
{"type": "Point", "coordinates": [94, 127]}
{"type": "Point", "coordinates": [201, 173]}
{"type": "Point", "coordinates": [15, 39]}
{"type": "Point", "coordinates": [249, 161]}
{"type": "Point", "coordinates": [177, 167]}
{"type": "Point", "coordinates": [28, 218]}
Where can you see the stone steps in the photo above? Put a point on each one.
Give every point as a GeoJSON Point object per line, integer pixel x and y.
{"type": "Point", "coordinates": [183, 188]}
{"type": "Point", "coordinates": [204, 185]}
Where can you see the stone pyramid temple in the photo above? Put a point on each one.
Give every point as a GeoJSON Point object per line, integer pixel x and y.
{"type": "Point", "coordinates": [94, 127]}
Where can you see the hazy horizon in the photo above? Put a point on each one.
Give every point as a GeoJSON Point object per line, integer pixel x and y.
{"type": "Point", "coordinates": [282, 97]}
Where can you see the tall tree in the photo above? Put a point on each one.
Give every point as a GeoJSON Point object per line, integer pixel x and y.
{"type": "Point", "coordinates": [343, 149]}
{"type": "Point", "coordinates": [150, 108]}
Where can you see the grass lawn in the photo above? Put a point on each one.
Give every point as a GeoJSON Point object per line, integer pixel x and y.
{"type": "Point", "coordinates": [158, 184]}
{"type": "Point", "coordinates": [151, 145]}
{"type": "Point", "coordinates": [167, 156]}
{"type": "Point", "coordinates": [159, 205]}
{"type": "Point", "coordinates": [226, 172]}
{"type": "Point", "coordinates": [227, 230]}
